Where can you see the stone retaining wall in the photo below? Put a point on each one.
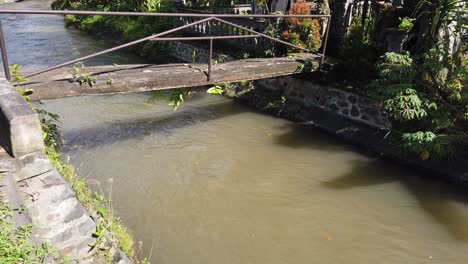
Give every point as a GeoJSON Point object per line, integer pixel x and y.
{"type": "Point", "coordinates": [340, 102]}
{"type": "Point", "coordinates": [59, 218]}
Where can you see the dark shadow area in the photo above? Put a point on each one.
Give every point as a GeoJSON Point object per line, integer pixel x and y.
{"type": "Point", "coordinates": [435, 197]}
{"type": "Point", "coordinates": [297, 136]}
{"type": "Point", "coordinates": [161, 124]}
{"type": "Point", "coordinates": [363, 174]}
{"type": "Point", "coordinates": [5, 137]}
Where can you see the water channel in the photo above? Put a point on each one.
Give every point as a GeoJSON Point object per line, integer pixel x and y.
{"type": "Point", "coordinates": [216, 182]}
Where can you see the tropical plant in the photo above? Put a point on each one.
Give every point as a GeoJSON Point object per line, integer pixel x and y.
{"type": "Point", "coordinates": [438, 20]}
{"type": "Point", "coordinates": [406, 24]}
{"type": "Point", "coordinates": [432, 120]}
{"type": "Point", "coordinates": [397, 89]}
{"type": "Point", "coordinates": [424, 126]}
{"type": "Point", "coordinates": [303, 32]}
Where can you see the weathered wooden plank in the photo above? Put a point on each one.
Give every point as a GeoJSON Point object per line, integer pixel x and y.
{"type": "Point", "coordinates": [147, 77]}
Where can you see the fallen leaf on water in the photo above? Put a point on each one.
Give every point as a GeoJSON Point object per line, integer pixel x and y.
{"type": "Point", "coordinates": [329, 238]}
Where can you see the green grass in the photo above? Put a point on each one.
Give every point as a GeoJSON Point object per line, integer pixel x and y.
{"type": "Point", "coordinates": [116, 233]}
{"type": "Point", "coordinates": [15, 244]}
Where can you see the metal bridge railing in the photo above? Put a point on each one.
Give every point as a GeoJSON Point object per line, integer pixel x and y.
{"type": "Point", "coordinates": [158, 36]}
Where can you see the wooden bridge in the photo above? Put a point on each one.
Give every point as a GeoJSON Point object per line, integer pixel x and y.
{"type": "Point", "coordinates": [148, 77]}
{"type": "Point", "coordinates": [60, 81]}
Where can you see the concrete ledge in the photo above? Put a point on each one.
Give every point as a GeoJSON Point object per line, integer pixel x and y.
{"type": "Point", "coordinates": [57, 215]}
{"type": "Point", "coordinates": [20, 128]}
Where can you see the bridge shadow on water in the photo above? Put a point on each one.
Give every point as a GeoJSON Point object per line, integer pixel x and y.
{"type": "Point", "coordinates": [160, 124]}
{"type": "Point", "coordinates": [298, 137]}
{"type": "Point", "coordinates": [437, 198]}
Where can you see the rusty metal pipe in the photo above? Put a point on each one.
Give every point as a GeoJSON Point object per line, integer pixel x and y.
{"type": "Point", "coordinates": [73, 12]}
{"type": "Point", "coordinates": [325, 43]}
{"type": "Point", "coordinates": [4, 54]}
{"type": "Point", "coordinates": [117, 48]}
{"type": "Point", "coordinates": [205, 38]}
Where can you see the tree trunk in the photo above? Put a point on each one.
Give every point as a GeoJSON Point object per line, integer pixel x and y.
{"type": "Point", "coordinates": [339, 10]}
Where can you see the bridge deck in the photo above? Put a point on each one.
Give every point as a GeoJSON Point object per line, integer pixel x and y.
{"type": "Point", "coordinates": [147, 77]}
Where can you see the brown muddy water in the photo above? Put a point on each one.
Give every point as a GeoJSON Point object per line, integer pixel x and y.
{"type": "Point", "coordinates": [216, 182]}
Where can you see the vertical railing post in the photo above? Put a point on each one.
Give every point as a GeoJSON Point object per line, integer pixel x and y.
{"type": "Point", "coordinates": [210, 59]}
{"type": "Point", "coordinates": [325, 43]}
{"type": "Point", "coordinates": [4, 53]}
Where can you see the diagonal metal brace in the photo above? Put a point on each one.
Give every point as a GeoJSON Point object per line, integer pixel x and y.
{"type": "Point", "coordinates": [119, 47]}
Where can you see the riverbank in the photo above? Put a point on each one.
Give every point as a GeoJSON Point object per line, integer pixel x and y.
{"type": "Point", "coordinates": [63, 218]}
{"type": "Point", "coordinates": [48, 204]}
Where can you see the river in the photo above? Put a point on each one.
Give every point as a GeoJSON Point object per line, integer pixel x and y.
{"type": "Point", "coordinates": [216, 182]}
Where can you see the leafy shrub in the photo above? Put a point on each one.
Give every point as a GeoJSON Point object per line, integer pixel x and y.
{"type": "Point", "coordinates": [446, 72]}
{"type": "Point", "coordinates": [406, 24]}
{"type": "Point", "coordinates": [271, 47]}
{"type": "Point", "coordinates": [397, 68]}
{"type": "Point", "coordinates": [303, 32]}
{"type": "Point", "coordinates": [396, 87]}
{"type": "Point", "coordinates": [434, 86]}
{"type": "Point", "coordinates": [91, 23]}
{"type": "Point", "coordinates": [428, 125]}
{"type": "Point", "coordinates": [425, 143]}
